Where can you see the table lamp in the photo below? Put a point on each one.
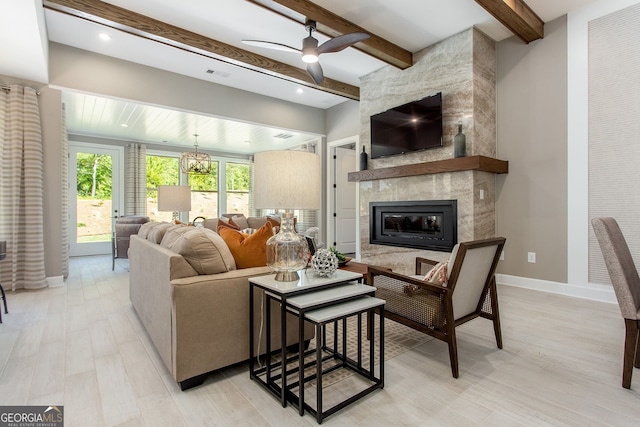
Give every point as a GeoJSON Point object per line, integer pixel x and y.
{"type": "Point", "coordinates": [286, 180]}
{"type": "Point", "coordinates": [174, 198]}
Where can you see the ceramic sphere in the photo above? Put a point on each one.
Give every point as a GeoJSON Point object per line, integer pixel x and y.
{"type": "Point", "coordinates": [324, 262]}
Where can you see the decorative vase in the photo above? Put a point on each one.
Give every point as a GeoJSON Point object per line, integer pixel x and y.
{"type": "Point", "coordinates": [363, 160]}
{"type": "Point", "coordinates": [287, 251]}
{"type": "Point", "coordinates": [459, 143]}
{"type": "Point", "coordinates": [324, 262]}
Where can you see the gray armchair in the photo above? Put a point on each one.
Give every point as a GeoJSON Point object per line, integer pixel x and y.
{"type": "Point", "coordinates": [437, 309]}
{"type": "Point", "coordinates": [626, 285]}
{"type": "Point", "coordinates": [125, 227]}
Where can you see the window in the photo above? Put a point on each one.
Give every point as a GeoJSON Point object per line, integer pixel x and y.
{"type": "Point", "coordinates": [161, 170]}
{"type": "Point", "coordinates": [204, 194]}
{"type": "Point", "coordinates": [209, 196]}
{"type": "Point", "coordinates": [238, 179]}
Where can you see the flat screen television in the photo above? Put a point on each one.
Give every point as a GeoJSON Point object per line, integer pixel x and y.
{"type": "Point", "coordinates": [409, 127]}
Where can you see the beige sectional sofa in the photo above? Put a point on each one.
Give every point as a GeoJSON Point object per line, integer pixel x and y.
{"type": "Point", "coordinates": [194, 303]}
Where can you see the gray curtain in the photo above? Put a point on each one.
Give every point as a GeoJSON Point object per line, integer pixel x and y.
{"type": "Point", "coordinates": [135, 202]}
{"type": "Point", "coordinates": [21, 189]}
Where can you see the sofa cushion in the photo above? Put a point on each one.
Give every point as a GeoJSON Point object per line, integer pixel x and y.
{"type": "Point", "coordinates": [144, 229]}
{"type": "Point", "coordinates": [240, 221]}
{"type": "Point", "coordinates": [249, 250]}
{"type": "Point", "coordinates": [226, 223]}
{"type": "Point", "coordinates": [213, 223]}
{"type": "Point", "coordinates": [154, 231]}
{"type": "Point", "coordinates": [256, 222]}
{"type": "Point", "coordinates": [172, 233]}
{"type": "Point", "coordinates": [205, 250]}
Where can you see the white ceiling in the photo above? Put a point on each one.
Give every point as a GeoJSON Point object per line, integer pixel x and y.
{"type": "Point", "coordinates": [411, 24]}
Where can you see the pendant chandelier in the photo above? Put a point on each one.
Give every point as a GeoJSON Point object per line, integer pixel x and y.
{"type": "Point", "coordinates": [194, 162]}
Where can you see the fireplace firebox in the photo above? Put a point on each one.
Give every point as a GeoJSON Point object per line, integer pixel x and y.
{"type": "Point", "coordinates": [422, 224]}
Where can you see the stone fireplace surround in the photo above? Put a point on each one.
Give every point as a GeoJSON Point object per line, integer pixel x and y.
{"type": "Point", "coordinates": [463, 69]}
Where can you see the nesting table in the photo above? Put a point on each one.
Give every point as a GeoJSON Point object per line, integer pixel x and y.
{"type": "Point", "coordinates": [320, 301]}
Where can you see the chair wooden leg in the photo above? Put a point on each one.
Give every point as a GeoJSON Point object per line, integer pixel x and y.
{"type": "Point", "coordinates": [630, 345]}
{"type": "Point", "coordinates": [451, 337]}
{"type": "Point", "coordinates": [453, 354]}
{"type": "Point", "coordinates": [495, 312]}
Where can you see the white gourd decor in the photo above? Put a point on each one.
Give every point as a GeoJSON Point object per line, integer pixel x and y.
{"type": "Point", "coordinates": [324, 262]}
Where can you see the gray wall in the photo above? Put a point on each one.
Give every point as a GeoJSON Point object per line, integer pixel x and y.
{"type": "Point", "coordinates": [343, 121]}
{"type": "Point", "coordinates": [531, 205]}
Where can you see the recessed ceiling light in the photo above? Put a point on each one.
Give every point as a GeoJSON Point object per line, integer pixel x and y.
{"type": "Point", "coordinates": [104, 37]}
{"type": "Point", "coordinates": [247, 142]}
{"type": "Point", "coordinates": [300, 90]}
{"type": "Point", "coordinates": [124, 125]}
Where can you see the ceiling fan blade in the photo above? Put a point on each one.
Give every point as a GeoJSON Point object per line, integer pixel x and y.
{"type": "Point", "coordinates": [271, 45]}
{"type": "Point", "coordinates": [315, 71]}
{"type": "Point", "coordinates": [339, 43]}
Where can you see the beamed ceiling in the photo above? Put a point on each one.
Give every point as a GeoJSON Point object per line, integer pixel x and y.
{"type": "Point", "coordinates": [203, 39]}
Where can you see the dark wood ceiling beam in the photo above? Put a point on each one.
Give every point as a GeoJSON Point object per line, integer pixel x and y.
{"type": "Point", "coordinates": [332, 25]}
{"type": "Point", "coordinates": [143, 26]}
{"type": "Point", "coordinates": [517, 16]}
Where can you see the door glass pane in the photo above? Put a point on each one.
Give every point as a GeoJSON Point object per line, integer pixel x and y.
{"type": "Point", "coordinates": [161, 170]}
{"type": "Point", "coordinates": [204, 193]}
{"type": "Point", "coordinates": [94, 197]}
{"type": "Point", "coordinates": [238, 186]}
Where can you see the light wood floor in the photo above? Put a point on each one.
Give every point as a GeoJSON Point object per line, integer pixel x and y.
{"type": "Point", "coordinates": [82, 346]}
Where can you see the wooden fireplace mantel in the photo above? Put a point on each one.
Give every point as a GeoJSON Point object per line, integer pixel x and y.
{"type": "Point", "coordinates": [471, 163]}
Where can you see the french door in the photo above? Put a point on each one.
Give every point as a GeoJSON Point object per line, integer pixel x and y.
{"type": "Point", "coordinates": [95, 197]}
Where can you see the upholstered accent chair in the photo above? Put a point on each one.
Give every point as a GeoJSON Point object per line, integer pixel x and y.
{"type": "Point", "coordinates": [469, 291]}
{"type": "Point", "coordinates": [626, 285]}
{"type": "Point", "coordinates": [124, 228]}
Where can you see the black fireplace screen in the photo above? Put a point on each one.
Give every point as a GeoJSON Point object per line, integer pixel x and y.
{"type": "Point", "coordinates": [424, 224]}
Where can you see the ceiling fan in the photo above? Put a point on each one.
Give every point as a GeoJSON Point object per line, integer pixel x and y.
{"type": "Point", "coordinates": [310, 49]}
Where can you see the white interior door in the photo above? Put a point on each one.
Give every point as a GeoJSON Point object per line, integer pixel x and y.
{"type": "Point", "coordinates": [94, 197]}
{"type": "Point", "coordinates": [345, 201]}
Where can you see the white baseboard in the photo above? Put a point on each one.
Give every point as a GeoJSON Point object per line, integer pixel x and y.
{"type": "Point", "coordinates": [592, 292]}
{"type": "Point", "coordinates": [55, 281]}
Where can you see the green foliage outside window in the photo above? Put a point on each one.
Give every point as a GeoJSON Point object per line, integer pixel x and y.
{"type": "Point", "coordinates": [94, 176]}
{"type": "Point", "coordinates": [238, 177]}
{"type": "Point", "coordinates": [162, 171]}
{"type": "Point", "coordinates": [205, 182]}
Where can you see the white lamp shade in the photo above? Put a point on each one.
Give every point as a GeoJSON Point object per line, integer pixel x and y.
{"type": "Point", "coordinates": [286, 180]}
{"type": "Point", "coordinates": [174, 198]}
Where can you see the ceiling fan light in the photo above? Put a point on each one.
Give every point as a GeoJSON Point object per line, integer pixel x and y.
{"type": "Point", "coordinates": [309, 50]}
{"type": "Point", "coordinates": [309, 58]}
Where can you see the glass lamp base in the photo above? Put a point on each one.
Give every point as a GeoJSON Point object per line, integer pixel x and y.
{"type": "Point", "coordinates": [287, 276]}
{"type": "Point", "coordinates": [287, 251]}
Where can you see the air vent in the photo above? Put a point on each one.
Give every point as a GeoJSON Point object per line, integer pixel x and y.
{"type": "Point", "coordinates": [218, 73]}
{"type": "Point", "coordinates": [283, 135]}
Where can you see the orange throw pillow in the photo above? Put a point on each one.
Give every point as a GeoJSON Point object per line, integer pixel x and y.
{"type": "Point", "coordinates": [248, 250]}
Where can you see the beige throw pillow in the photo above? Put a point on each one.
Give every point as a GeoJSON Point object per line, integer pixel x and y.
{"type": "Point", "coordinates": [172, 234]}
{"type": "Point", "coordinates": [205, 251]}
{"type": "Point", "coordinates": [240, 221]}
{"type": "Point", "coordinates": [156, 233]}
